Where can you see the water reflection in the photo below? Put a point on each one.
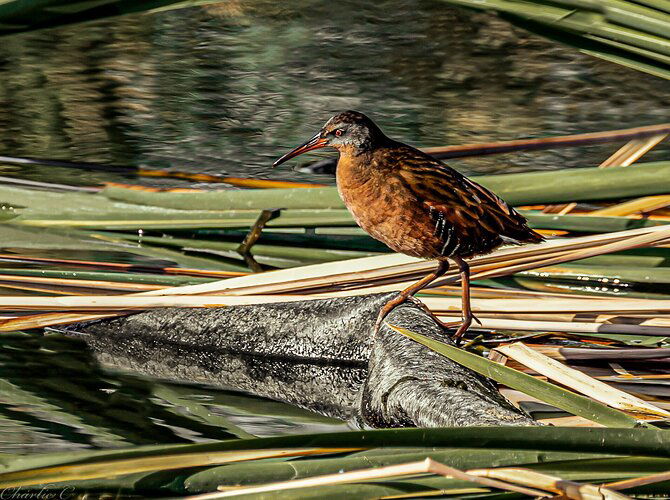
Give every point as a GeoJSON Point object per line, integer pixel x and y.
{"type": "Point", "coordinates": [54, 396]}
{"type": "Point", "coordinates": [224, 88]}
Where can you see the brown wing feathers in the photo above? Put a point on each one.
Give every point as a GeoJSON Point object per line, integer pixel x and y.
{"type": "Point", "coordinates": [469, 219]}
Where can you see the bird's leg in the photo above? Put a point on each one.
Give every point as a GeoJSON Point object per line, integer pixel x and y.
{"type": "Point", "coordinates": [465, 298]}
{"type": "Point", "coordinates": [442, 267]}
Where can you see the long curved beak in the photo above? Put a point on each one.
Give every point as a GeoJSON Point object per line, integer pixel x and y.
{"type": "Point", "coordinates": [316, 142]}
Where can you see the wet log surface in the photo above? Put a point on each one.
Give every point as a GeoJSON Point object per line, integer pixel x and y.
{"type": "Point", "coordinates": [319, 354]}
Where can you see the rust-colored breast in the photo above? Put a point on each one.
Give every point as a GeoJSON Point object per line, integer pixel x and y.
{"type": "Point", "coordinates": [383, 206]}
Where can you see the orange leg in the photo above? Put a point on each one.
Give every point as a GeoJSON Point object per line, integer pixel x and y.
{"type": "Point", "coordinates": [465, 298]}
{"type": "Point", "coordinates": [443, 267]}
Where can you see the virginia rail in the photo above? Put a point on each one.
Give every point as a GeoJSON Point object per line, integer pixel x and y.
{"type": "Point", "coordinates": [415, 204]}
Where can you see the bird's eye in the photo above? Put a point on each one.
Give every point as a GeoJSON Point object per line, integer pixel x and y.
{"type": "Point", "coordinates": [338, 132]}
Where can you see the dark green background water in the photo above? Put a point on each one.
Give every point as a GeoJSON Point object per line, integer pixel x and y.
{"type": "Point", "coordinates": [228, 88]}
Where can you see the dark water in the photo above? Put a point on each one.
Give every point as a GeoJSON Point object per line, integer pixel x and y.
{"type": "Point", "coordinates": [226, 89]}
{"type": "Point", "coordinates": [54, 397]}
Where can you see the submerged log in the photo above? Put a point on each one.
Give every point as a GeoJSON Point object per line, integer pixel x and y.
{"type": "Point", "coordinates": [320, 355]}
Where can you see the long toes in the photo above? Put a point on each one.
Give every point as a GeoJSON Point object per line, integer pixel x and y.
{"type": "Point", "coordinates": [461, 331]}
{"type": "Point", "coordinates": [476, 320]}
{"type": "Point", "coordinates": [380, 319]}
{"type": "Point", "coordinates": [421, 305]}
{"type": "Point", "coordinates": [450, 325]}
{"type": "Point", "coordinates": [416, 301]}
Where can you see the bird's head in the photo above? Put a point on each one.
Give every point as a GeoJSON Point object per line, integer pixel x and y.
{"type": "Point", "coordinates": [347, 131]}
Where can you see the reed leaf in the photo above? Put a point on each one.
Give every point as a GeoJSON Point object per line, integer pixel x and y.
{"type": "Point", "coordinates": [607, 276]}
{"type": "Point", "coordinates": [260, 249]}
{"type": "Point", "coordinates": [19, 16]}
{"type": "Point", "coordinates": [427, 466]}
{"type": "Point", "coordinates": [517, 189]}
{"type": "Point", "coordinates": [185, 219]}
{"type": "Point", "coordinates": [94, 469]}
{"type": "Point", "coordinates": [621, 441]}
{"type": "Point", "coordinates": [263, 472]}
{"type": "Point", "coordinates": [544, 391]}
{"type": "Point", "coordinates": [588, 223]}
{"type": "Point", "coordinates": [579, 382]}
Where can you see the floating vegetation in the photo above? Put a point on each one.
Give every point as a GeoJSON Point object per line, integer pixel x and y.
{"type": "Point", "coordinates": [573, 330]}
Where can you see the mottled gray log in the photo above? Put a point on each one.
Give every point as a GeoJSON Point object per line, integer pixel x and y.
{"type": "Point", "coordinates": [320, 355]}
{"type": "Point", "coordinates": [410, 385]}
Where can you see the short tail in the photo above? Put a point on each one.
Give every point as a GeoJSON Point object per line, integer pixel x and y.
{"type": "Point", "coordinates": [527, 235]}
{"type": "Point", "coordinates": [533, 237]}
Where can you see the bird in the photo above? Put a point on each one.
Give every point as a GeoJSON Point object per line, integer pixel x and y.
{"type": "Point", "coordinates": [416, 205]}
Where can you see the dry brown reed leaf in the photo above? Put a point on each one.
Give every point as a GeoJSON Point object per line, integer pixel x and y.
{"type": "Point", "coordinates": [579, 381]}
{"type": "Point", "coordinates": [636, 206]}
{"type": "Point", "coordinates": [568, 489]}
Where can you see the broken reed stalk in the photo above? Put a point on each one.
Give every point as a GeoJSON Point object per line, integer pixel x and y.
{"type": "Point", "coordinates": [616, 246]}
{"type": "Point", "coordinates": [567, 489]}
{"type": "Point", "coordinates": [638, 481]}
{"type": "Point", "coordinates": [636, 206]}
{"type": "Point", "coordinates": [463, 150]}
{"type": "Point", "coordinates": [106, 466]}
{"type": "Point", "coordinates": [581, 317]}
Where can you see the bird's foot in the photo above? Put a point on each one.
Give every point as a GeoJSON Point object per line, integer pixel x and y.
{"type": "Point", "coordinates": [396, 301]}
{"type": "Point", "coordinates": [450, 325]}
{"type": "Point", "coordinates": [458, 335]}
{"type": "Point", "coordinates": [380, 320]}
{"type": "Point", "coordinates": [430, 313]}
{"type": "Point", "coordinates": [454, 324]}
{"type": "Point", "coordinates": [421, 305]}
{"type": "Point", "coordinates": [461, 327]}
{"type": "Point", "coordinates": [387, 308]}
